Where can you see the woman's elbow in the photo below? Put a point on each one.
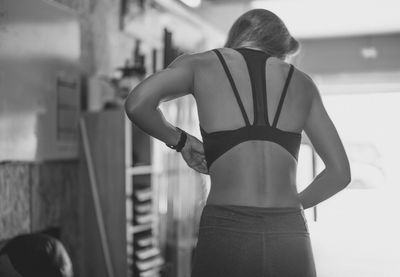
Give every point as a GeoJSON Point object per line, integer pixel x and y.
{"type": "Point", "coordinates": [347, 179]}
{"type": "Point", "coordinates": [133, 105]}
{"type": "Point", "coordinates": [345, 176]}
{"type": "Point", "coordinates": [130, 109]}
{"type": "Point", "coordinates": [342, 173]}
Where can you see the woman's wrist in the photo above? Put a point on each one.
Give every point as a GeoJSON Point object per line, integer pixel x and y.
{"type": "Point", "coordinates": [180, 142]}
{"type": "Point", "coordinates": [174, 136]}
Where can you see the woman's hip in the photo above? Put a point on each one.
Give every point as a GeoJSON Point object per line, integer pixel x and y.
{"type": "Point", "coordinates": [252, 241]}
{"type": "Point", "coordinates": [247, 219]}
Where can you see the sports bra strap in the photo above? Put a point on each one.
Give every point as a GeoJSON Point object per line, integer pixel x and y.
{"type": "Point", "coordinates": [233, 86]}
{"type": "Point", "coordinates": [278, 110]}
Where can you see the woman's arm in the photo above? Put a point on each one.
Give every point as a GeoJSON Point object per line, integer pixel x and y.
{"type": "Point", "coordinates": [327, 143]}
{"type": "Point", "coordinates": [142, 108]}
{"type": "Point", "coordinates": [142, 103]}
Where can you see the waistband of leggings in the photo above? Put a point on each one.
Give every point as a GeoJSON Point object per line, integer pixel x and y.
{"type": "Point", "coordinates": [255, 209]}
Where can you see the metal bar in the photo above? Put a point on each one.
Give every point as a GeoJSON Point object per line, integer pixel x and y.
{"type": "Point", "coordinates": [314, 173]}
{"type": "Point", "coordinates": [96, 200]}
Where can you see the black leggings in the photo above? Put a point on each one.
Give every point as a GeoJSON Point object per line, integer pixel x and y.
{"type": "Point", "coordinates": [245, 241]}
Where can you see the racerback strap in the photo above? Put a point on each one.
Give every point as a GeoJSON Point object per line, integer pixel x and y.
{"type": "Point", "coordinates": [278, 111]}
{"type": "Point", "coordinates": [233, 86]}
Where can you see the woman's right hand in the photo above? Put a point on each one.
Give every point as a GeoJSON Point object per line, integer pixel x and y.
{"type": "Point", "coordinates": [193, 154]}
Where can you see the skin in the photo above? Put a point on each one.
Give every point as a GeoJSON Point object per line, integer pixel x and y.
{"type": "Point", "coordinates": [253, 173]}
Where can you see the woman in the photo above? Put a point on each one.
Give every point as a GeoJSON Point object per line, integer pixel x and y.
{"type": "Point", "coordinates": [252, 107]}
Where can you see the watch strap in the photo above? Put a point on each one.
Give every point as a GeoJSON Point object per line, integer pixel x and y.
{"type": "Point", "coordinates": [181, 143]}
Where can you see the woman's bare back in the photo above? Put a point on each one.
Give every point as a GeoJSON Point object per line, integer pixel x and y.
{"type": "Point", "coordinates": [255, 172]}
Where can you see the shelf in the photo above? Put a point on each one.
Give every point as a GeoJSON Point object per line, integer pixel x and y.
{"type": "Point", "coordinates": [144, 242]}
{"type": "Point", "coordinates": [140, 170]}
{"type": "Point", "coordinates": [154, 272]}
{"type": "Point", "coordinates": [144, 218]}
{"type": "Point", "coordinates": [147, 253]}
{"type": "Point", "coordinates": [144, 256]}
{"type": "Point", "coordinates": [139, 228]}
{"type": "Point", "coordinates": [150, 263]}
{"type": "Point", "coordinates": [143, 194]}
{"type": "Point", "coordinates": [143, 207]}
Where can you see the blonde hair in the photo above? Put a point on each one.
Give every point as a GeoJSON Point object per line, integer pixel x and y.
{"type": "Point", "coordinates": [265, 30]}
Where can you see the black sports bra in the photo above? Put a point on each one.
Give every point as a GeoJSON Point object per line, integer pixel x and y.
{"type": "Point", "coordinates": [218, 142]}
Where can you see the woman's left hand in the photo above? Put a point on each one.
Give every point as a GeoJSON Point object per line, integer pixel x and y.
{"type": "Point", "coordinates": [193, 154]}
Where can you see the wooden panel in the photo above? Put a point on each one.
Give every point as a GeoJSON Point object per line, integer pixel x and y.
{"type": "Point", "coordinates": [106, 138]}
{"type": "Point", "coordinates": [54, 203]}
{"type": "Point", "coordinates": [54, 190]}
{"type": "Point", "coordinates": [46, 196]}
{"type": "Point", "coordinates": [14, 199]}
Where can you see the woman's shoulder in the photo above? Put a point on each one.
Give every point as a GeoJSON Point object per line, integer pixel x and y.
{"type": "Point", "coordinates": [302, 80]}
{"type": "Point", "coordinates": [307, 82]}
{"type": "Point", "coordinates": [202, 57]}
{"type": "Point", "coordinates": [193, 59]}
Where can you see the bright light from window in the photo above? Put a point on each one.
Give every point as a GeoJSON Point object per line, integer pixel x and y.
{"type": "Point", "coordinates": [192, 3]}
{"type": "Point", "coordinates": [358, 247]}
{"type": "Point", "coordinates": [316, 18]}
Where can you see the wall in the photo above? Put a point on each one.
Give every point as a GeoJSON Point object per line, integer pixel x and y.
{"type": "Point", "coordinates": [39, 81]}
{"type": "Point", "coordinates": [36, 197]}
{"type": "Point", "coordinates": [103, 46]}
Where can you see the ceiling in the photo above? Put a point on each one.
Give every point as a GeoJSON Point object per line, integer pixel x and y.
{"type": "Point", "coordinates": [207, 26]}
{"type": "Point", "coordinates": [311, 18]}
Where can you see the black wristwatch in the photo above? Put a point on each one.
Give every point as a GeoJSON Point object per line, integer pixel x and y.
{"type": "Point", "coordinates": [182, 140]}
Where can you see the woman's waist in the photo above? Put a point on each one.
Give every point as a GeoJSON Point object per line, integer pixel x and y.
{"type": "Point", "coordinates": [263, 196]}
{"type": "Point", "coordinates": [254, 219]}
